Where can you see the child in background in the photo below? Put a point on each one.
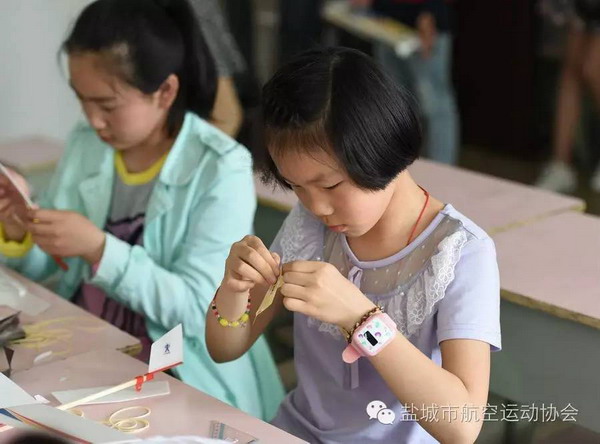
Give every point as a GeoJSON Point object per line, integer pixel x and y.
{"type": "Point", "coordinates": [395, 294]}
{"type": "Point", "coordinates": [227, 114]}
{"type": "Point", "coordinates": [427, 72]}
{"type": "Point", "coordinates": [580, 71]}
{"type": "Point", "coordinates": [148, 196]}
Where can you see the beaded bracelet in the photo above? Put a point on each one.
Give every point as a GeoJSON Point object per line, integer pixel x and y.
{"type": "Point", "coordinates": [241, 322]}
{"type": "Point", "coordinates": [367, 315]}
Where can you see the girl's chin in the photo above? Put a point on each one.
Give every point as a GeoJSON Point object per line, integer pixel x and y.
{"type": "Point", "coordinates": [349, 232]}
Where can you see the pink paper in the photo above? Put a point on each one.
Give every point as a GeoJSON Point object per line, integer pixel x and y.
{"type": "Point", "coordinates": [88, 332]}
{"type": "Point", "coordinates": [186, 411]}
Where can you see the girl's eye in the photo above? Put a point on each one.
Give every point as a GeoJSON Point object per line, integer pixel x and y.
{"type": "Point", "coordinates": [333, 186]}
{"type": "Point", "coordinates": [108, 109]}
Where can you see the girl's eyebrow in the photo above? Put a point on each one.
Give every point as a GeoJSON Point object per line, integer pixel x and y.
{"type": "Point", "coordinates": [317, 178]}
{"type": "Point", "coordinates": [100, 99]}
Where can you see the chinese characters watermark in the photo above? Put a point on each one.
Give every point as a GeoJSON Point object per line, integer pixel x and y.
{"type": "Point", "coordinates": [492, 413]}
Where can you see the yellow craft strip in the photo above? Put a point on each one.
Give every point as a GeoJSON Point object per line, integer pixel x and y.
{"type": "Point", "coordinates": [133, 424]}
{"type": "Point", "coordinates": [269, 296]}
{"type": "Point", "coordinates": [46, 333]}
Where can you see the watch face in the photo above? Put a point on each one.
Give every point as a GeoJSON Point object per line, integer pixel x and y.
{"type": "Point", "coordinates": [373, 335]}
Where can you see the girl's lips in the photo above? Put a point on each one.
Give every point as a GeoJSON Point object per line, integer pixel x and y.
{"type": "Point", "coordinates": [337, 228]}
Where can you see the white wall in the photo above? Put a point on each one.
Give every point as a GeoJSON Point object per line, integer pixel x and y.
{"type": "Point", "coordinates": [35, 99]}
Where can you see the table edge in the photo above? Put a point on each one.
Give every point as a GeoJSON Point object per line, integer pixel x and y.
{"type": "Point", "coordinates": [579, 207]}
{"type": "Point", "coordinates": [551, 309]}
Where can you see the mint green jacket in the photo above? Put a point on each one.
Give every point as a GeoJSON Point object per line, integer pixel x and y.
{"type": "Point", "coordinates": [203, 201]}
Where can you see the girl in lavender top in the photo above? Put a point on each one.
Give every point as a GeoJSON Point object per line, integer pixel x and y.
{"type": "Point", "coordinates": [341, 135]}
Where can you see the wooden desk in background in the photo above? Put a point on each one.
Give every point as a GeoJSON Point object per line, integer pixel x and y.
{"type": "Point", "coordinates": [550, 314]}
{"type": "Point", "coordinates": [494, 204]}
{"type": "Point", "coordinates": [385, 30]}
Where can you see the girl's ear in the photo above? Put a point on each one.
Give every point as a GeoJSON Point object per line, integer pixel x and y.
{"type": "Point", "coordinates": [167, 92]}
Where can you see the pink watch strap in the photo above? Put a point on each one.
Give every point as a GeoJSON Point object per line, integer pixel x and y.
{"type": "Point", "coordinates": [352, 353]}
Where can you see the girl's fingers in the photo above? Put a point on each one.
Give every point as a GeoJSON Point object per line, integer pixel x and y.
{"type": "Point", "coordinates": [43, 240]}
{"type": "Point", "coordinates": [296, 305]}
{"type": "Point", "coordinates": [258, 262]}
{"type": "Point", "coordinates": [15, 218]}
{"type": "Point", "coordinates": [277, 260]}
{"type": "Point", "coordinates": [45, 246]}
{"type": "Point", "coordinates": [41, 230]}
{"type": "Point", "coordinates": [297, 278]}
{"type": "Point", "coordinates": [46, 216]}
{"type": "Point", "coordinates": [302, 266]}
{"type": "Point", "coordinates": [248, 272]}
{"type": "Point", "coordinates": [239, 285]}
{"type": "Point", "coordinates": [259, 246]}
{"type": "Point", "coordinates": [236, 282]}
{"type": "Point", "coordinates": [294, 291]}
{"type": "Point", "coordinates": [7, 201]}
{"type": "Point", "coordinates": [5, 204]}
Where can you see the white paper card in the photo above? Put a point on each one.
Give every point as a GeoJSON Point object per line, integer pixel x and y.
{"type": "Point", "coordinates": [8, 422]}
{"type": "Point", "coordinates": [167, 352]}
{"type": "Point", "coordinates": [12, 394]}
{"type": "Point", "coordinates": [149, 389]}
{"type": "Point", "coordinates": [68, 424]}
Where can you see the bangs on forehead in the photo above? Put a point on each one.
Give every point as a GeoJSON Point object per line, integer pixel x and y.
{"type": "Point", "coordinates": [308, 139]}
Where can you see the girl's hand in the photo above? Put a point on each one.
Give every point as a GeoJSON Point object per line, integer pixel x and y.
{"type": "Point", "coordinates": [249, 263]}
{"type": "Point", "coordinates": [13, 211]}
{"type": "Point", "coordinates": [318, 290]}
{"type": "Point", "coordinates": [66, 233]}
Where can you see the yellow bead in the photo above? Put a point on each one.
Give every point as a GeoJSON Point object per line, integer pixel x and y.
{"type": "Point", "coordinates": [244, 317]}
{"type": "Point", "coordinates": [224, 322]}
{"type": "Point", "coordinates": [235, 324]}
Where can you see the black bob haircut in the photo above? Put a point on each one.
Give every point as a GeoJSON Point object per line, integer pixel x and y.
{"type": "Point", "coordinates": [147, 40]}
{"type": "Point", "coordinates": [338, 100]}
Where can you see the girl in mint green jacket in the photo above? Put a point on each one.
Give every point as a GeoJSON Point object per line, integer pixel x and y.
{"type": "Point", "coordinates": [148, 197]}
